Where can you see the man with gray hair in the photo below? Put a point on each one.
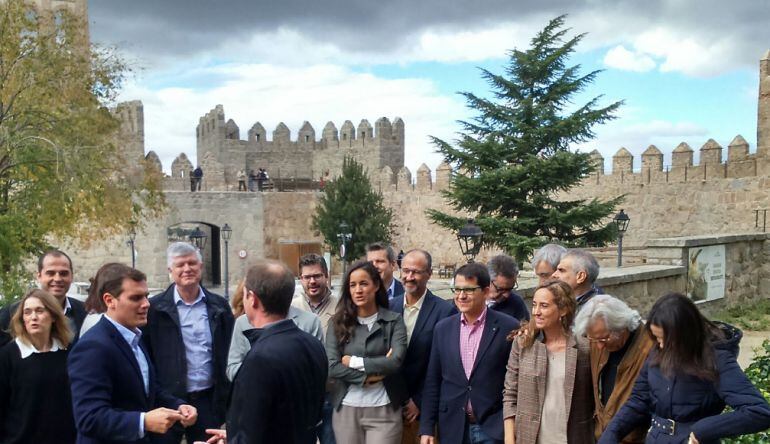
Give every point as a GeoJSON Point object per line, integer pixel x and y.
{"type": "Point", "coordinates": [188, 335]}
{"type": "Point", "coordinates": [619, 347]}
{"type": "Point", "coordinates": [545, 260]}
{"type": "Point", "coordinates": [579, 269]}
{"type": "Point", "coordinates": [504, 272]}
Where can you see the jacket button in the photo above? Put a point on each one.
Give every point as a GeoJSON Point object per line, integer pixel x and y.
{"type": "Point", "coordinates": [470, 388]}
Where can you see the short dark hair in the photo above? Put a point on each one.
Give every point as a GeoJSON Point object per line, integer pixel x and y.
{"type": "Point", "coordinates": [379, 246]}
{"type": "Point", "coordinates": [109, 279]}
{"type": "Point", "coordinates": [273, 283]}
{"type": "Point", "coordinates": [428, 257]}
{"type": "Point", "coordinates": [311, 259]}
{"type": "Point", "coordinates": [476, 271]}
{"type": "Point", "coordinates": [503, 265]}
{"type": "Point", "coordinates": [53, 252]}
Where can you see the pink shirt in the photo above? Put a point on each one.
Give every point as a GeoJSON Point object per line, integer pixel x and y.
{"type": "Point", "coordinates": [470, 338]}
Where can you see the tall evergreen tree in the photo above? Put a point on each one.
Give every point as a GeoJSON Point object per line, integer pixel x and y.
{"type": "Point", "coordinates": [514, 157]}
{"type": "Point", "coordinates": [351, 199]}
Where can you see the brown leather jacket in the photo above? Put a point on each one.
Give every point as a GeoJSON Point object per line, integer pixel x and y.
{"type": "Point", "coordinates": [628, 370]}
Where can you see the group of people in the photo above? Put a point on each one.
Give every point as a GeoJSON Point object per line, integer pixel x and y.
{"type": "Point", "coordinates": [258, 177]}
{"type": "Point", "coordinates": [385, 361]}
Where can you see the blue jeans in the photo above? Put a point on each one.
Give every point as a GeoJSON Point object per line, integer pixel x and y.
{"type": "Point", "coordinates": [474, 434]}
{"type": "Point", "coordinates": [324, 431]}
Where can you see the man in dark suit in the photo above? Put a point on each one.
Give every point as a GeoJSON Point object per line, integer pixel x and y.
{"type": "Point", "coordinates": [421, 310]}
{"type": "Point", "coordinates": [503, 271]}
{"type": "Point", "coordinates": [463, 393]}
{"type": "Point", "coordinates": [188, 336]}
{"type": "Point", "coordinates": [279, 389]}
{"type": "Point", "coordinates": [383, 257]}
{"type": "Point", "coordinates": [115, 394]}
{"type": "Point", "coordinates": [54, 275]}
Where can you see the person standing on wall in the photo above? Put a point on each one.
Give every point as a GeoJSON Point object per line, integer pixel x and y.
{"type": "Point", "coordinates": [188, 336]}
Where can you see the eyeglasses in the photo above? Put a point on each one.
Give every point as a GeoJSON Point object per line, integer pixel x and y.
{"type": "Point", "coordinates": [505, 290]}
{"type": "Point", "coordinates": [408, 271]}
{"type": "Point", "coordinates": [308, 277]}
{"type": "Point", "coordinates": [466, 290]}
{"type": "Point", "coordinates": [609, 338]}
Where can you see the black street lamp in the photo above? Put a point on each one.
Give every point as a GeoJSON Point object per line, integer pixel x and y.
{"type": "Point", "coordinates": [470, 238]}
{"type": "Point", "coordinates": [131, 241]}
{"type": "Point", "coordinates": [227, 232]}
{"type": "Point", "coordinates": [198, 238]}
{"type": "Point", "coordinates": [344, 236]}
{"type": "Point", "coordinates": [621, 221]}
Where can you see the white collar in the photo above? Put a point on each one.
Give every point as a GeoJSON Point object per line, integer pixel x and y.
{"type": "Point", "coordinates": [67, 305]}
{"type": "Point", "coordinates": [26, 350]}
{"type": "Point", "coordinates": [418, 304]}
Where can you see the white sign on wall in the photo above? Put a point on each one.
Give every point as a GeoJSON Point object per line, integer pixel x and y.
{"type": "Point", "coordinates": [706, 273]}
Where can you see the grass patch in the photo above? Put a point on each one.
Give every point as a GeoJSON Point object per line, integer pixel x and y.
{"type": "Point", "coordinates": [750, 316]}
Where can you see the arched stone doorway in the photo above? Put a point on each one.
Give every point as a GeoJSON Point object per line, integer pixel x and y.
{"type": "Point", "coordinates": [212, 254]}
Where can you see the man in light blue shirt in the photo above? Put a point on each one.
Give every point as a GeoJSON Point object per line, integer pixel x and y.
{"type": "Point", "coordinates": [188, 335]}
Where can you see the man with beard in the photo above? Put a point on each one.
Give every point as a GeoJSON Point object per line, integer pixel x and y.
{"type": "Point", "coordinates": [421, 310]}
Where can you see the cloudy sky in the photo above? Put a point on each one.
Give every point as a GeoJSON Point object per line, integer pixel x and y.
{"type": "Point", "coordinates": [686, 69]}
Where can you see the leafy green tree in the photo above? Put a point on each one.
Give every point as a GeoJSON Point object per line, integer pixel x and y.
{"type": "Point", "coordinates": [351, 199]}
{"type": "Point", "coordinates": [514, 157]}
{"type": "Point", "coordinates": [62, 172]}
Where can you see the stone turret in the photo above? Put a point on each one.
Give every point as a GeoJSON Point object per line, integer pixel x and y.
{"type": "Point", "coordinates": [682, 156]}
{"type": "Point", "coordinates": [383, 130]}
{"type": "Point", "coordinates": [711, 152]}
{"type": "Point", "coordinates": [330, 134]}
{"type": "Point", "coordinates": [153, 161]}
{"type": "Point", "coordinates": [652, 159]}
{"type": "Point", "coordinates": [398, 131]}
{"type": "Point", "coordinates": [622, 162]}
{"type": "Point", "coordinates": [131, 134]}
{"type": "Point", "coordinates": [597, 160]}
{"type": "Point", "coordinates": [404, 179]}
{"type": "Point", "coordinates": [443, 176]}
{"type": "Point", "coordinates": [347, 133]}
{"type": "Point", "coordinates": [181, 167]}
{"type": "Point", "coordinates": [257, 133]}
{"type": "Point", "coordinates": [306, 134]}
{"type": "Point", "coordinates": [232, 131]}
{"type": "Point", "coordinates": [763, 107]}
{"type": "Point", "coordinates": [424, 182]}
{"type": "Point", "coordinates": [281, 134]}
{"type": "Point", "coordinates": [386, 176]}
{"type": "Point", "coordinates": [365, 130]}
{"type": "Point", "coordinates": [738, 149]}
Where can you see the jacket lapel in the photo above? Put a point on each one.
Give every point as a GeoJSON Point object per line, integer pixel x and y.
{"type": "Point", "coordinates": [454, 345]}
{"type": "Point", "coordinates": [490, 331]}
{"type": "Point", "coordinates": [214, 314]}
{"type": "Point", "coordinates": [569, 371]}
{"type": "Point", "coordinates": [166, 305]}
{"type": "Point", "coordinates": [425, 312]}
{"type": "Point", "coordinates": [124, 348]}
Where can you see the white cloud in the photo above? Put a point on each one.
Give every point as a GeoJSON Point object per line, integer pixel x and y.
{"type": "Point", "coordinates": [318, 93]}
{"type": "Point", "coordinates": [621, 58]}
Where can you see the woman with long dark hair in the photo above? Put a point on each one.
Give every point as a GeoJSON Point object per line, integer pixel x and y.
{"type": "Point", "coordinates": [688, 379]}
{"type": "Point", "coordinates": [548, 397]}
{"type": "Point", "coordinates": [35, 402]}
{"type": "Point", "coordinates": [366, 343]}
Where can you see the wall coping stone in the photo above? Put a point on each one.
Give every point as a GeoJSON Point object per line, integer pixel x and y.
{"type": "Point", "coordinates": [709, 239]}
{"type": "Point", "coordinates": [609, 276]}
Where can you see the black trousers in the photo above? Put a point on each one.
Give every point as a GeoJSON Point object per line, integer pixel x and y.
{"type": "Point", "coordinates": [204, 402]}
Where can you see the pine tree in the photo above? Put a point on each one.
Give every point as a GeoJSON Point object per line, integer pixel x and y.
{"type": "Point", "coordinates": [351, 199]}
{"type": "Point", "coordinates": [514, 156]}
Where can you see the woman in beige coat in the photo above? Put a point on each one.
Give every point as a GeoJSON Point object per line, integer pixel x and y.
{"type": "Point", "coordinates": [549, 375]}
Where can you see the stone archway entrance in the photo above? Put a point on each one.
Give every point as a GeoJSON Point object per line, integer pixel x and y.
{"type": "Point", "coordinates": [212, 254]}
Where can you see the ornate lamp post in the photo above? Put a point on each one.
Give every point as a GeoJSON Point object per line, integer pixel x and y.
{"type": "Point", "coordinates": [470, 238]}
{"type": "Point", "coordinates": [198, 238]}
{"type": "Point", "coordinates": [227, 232]}
{"type": "Point", "coordinates": [344, 236]}
{"type": "Point", "coordinates": [621, 221]}
{"type": "Point", "coordinates": [131, 240]}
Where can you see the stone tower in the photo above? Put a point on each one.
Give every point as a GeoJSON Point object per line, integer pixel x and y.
{"type": "Point", "coordinates": [131, 134]}
{"type": "Point", "coordinates": [48, 13]}
{"type": "Point", "coordinates": [763, 108]}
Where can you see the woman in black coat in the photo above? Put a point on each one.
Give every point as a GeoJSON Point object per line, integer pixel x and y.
{"type": "Point", "coordinates": [35, 402]}
{"type": "Point", "coordinates": [686, 382]}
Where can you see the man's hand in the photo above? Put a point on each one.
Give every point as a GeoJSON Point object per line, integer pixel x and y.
{"type": "Point", "coordinates": [410, 412]}
{"type": "Point", "coordinates": [389, 353]}
{"type": "Point", "coordinates": [373, 379]}
{"type": "Point", "coordinates": [189, 415]}
{"type": "Point", "coordinates": [345, 360]}
{"type": "Point", "coordinates": [160, 420]}
{"type": "Point", "coordinates": [219, 436]}
{"type": "Point", "coordinates": [427, 439]}
{"type": "Point", "coordinates": [692, 439]}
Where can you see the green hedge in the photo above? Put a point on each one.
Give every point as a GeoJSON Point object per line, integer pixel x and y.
{"type": "Point", "coordinates": [759, 374]}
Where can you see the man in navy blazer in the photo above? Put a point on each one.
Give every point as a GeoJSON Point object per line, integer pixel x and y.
{"type": "Point", "coordinates": [421, 310]}
{"type": "Point", "coordinates": [115, 395]}
{"type": "Point", "coordinates": [503, 271]}
{"type": "Point", "coordinates": [463, 393]}
{"type": "Point", "coordinates": [384, 259]}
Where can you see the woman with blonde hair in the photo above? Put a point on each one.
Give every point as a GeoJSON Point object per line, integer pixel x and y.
{"type": "Point", "coordinates": [34, 386]}
{"type": "Point", "coordinates": [548, 396]}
